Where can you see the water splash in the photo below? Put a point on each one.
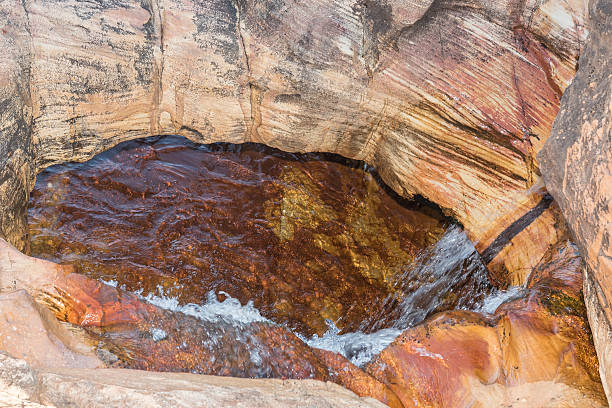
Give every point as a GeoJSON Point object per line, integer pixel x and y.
{"type": "Point", "coordinates": [358, 347]}
{"type": "Point", "coordinates": [497, 298]}
{"type": "Point", "coordinates": [451, 264]}
{"type": "Point", "coordinates": [230, 310]}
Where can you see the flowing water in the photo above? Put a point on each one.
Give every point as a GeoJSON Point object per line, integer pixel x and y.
{"type": "Point", "coordinates": [248, 235]}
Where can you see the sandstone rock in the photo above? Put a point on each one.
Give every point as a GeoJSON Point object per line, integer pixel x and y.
{"type": "Point", "coordinates": [414, 88]}
{"type": "Point", "coordinates": [138, 334]}
{"type": "Point", "coordinates": [348, 375]}
{"type": "Point", "coordinates": [463, 359]}
{"type": "Point", "coordinates": [577, 168]}
{"type": "Point", "coordinates": [29, 331]}
{"type": "Point", "coordinates": [410, 107]}
{"type": "Point", "coordinates": [131, 388]}
{"type": "Point", "coordinates": [16, 151]}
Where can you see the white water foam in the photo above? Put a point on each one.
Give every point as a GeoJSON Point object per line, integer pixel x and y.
{"type": "Point", "coordinates": [358, 347]}
{"type": "Point", "coordinates": [229, 310]}
{"type": "Point", "coordinates": [497, 298]}
{"type": "Point", "coordinates": [435, 266]}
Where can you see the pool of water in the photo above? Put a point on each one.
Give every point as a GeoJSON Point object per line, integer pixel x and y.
{"type": "Point", "coordinates": [313, 242]}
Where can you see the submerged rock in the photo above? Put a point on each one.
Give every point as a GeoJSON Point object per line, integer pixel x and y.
{"type": "Point", "coordinates": [308, 239]}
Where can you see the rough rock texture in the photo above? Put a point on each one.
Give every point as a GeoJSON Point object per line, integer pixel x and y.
{"type": "Point", "coordinates": [127, 332]}
{"type": "Point", "coordinates": [577, 167]}
{"type": "Point", "coordinates": [16, 153]}
{"type": "Point", "coordinates": [24, 386]}
{"type": "Point", "coordinates": [448, 99]}
{"type": "Point", "coordinates": [537, 342]}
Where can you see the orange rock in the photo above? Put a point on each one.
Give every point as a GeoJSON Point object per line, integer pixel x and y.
{"type": "Point", "coordinates": [463, 359]}
{"type": "Point", "coordinates": [350, 376]}
{"type": "Point", "coordinates": [30, 332]}
{"type": "Point", "coordinates": [434, 363]}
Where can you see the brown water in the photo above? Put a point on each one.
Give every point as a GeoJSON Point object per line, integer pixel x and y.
{"type": "Point", "coordinates": [309, 239]}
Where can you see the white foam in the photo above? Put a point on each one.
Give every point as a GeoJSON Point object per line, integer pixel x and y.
{"type": "Point", "coordinates": [110, 282]}
{"type": "Point", "coordinates": [358, 347]}
{"type": "Point", "coordinates": [229, 311]}
{"type": "Point", "coordinates": [158, 334]}
{"type": "Point", "coordinates": [495, 299]}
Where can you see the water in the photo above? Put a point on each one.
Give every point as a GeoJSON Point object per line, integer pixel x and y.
{"type": "Point", "coordinates": [449, 271]}
{"type": "Point", "coordinates": [229, 310]}
{"type": "Point", "coordinates": [239, 235]}
{"type": "Point", "coordinates": [358, 347]}
{"type": "Point", "coordinates": [499, 297]}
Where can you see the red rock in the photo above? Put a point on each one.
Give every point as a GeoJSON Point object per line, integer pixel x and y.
{"type": "Point", "coordinates": [350, 376]}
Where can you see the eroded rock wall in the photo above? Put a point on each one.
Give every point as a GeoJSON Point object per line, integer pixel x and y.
{"type": "Point", "coordinates": [448, 99]}
{"type": "Point", "coordinates": [577, 167]}
{"type": "Point", "coordinates": [16, 152]}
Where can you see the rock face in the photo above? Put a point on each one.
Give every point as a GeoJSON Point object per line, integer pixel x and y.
{"type": "Point", "coordinates": [415, 88]}
{"type": "Point", "coordinates": [117, 388]}
{"type": "Point", "coordinates": [577, 166]}
{"type": "Point", "coordinates": [16, 151]}
{"type": "Point", "coordinates": [541, 340]}
{"type": "Point", "coordinates": [458, 359]}
{"type": "Point", "coordinates": [31, 332]}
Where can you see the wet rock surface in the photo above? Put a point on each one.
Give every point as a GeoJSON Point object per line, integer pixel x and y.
{"type": "Point", "coordinates": [305, 238]}
{"type": "Point", "coordinates": [462, 359]}
{"type": "Point", "coordinates": [539, 340]}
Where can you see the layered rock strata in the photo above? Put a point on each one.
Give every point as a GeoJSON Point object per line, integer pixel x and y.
{"type": "Point", "coordinates": [448, 99]}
